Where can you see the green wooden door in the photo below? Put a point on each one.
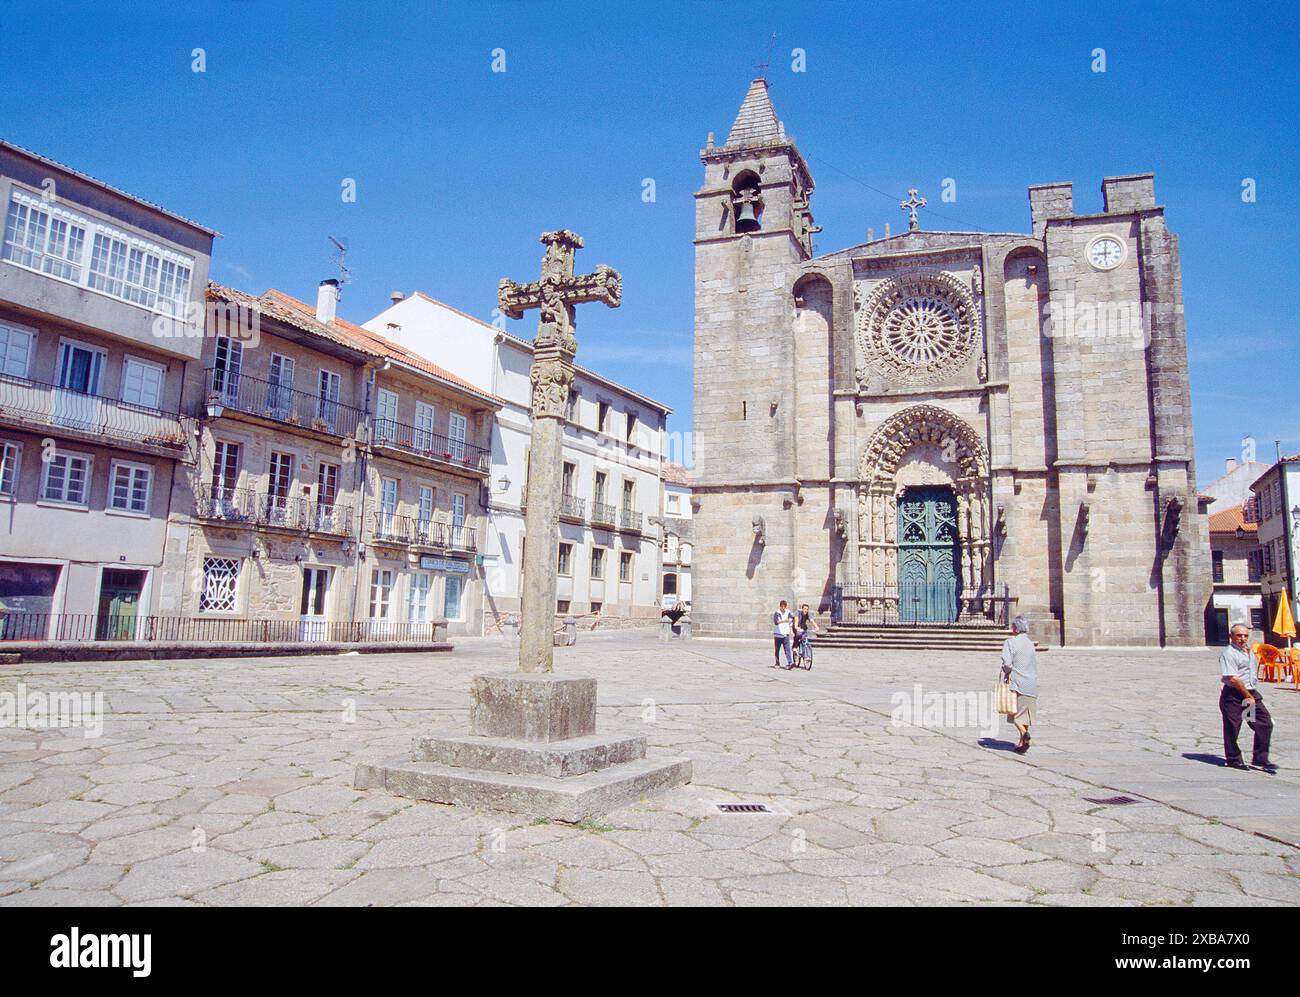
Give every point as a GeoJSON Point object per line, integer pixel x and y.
{"type": "Point", "coordinates": [929, 580]}
{"type": "Point", "coordinates": [119, 604]}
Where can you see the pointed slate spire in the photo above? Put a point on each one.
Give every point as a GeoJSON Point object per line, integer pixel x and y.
{"type": "Point", "coordinates": [756, 121]}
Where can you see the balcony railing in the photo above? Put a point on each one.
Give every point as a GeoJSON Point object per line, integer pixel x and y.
{"type": "Point", "coordinates": [602, 512]}
{"type": "Point", "coordinates": [629, 519]}
{"type": "Point", "coordinates": [48, 406]}
{"type": "Point", "coordinates": [572, 507]}
{"type": "Point", "coordinates": [430, 445]}
{"type": "Point", "coordinates": [252, 508]}
{"type": "Point", "coordinates": [413, 532]}
{"type": "Point", "coordinates": [267, 400]}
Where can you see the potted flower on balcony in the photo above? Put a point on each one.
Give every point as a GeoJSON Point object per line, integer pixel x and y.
{"type": "Point", "coordinates": [320, 425]}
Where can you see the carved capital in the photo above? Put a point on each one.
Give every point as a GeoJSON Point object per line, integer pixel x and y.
{"type": "Point", "coordinates": [551, 378]}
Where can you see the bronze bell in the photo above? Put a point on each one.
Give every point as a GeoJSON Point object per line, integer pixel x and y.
{"type": "Point", "coordinates": [746, 219]}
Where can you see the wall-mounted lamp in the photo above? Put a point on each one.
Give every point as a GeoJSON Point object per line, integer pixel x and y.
{"type": "Point", "coordinates": [503, 483]}
{"type": "Point", "coordinates": [760, 531]}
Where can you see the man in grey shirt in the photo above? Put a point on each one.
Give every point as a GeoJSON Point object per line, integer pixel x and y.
{"type": "Point", "coordinates": [1240, 698]}
{"type": "Point", "coordinates": [1020, 662]}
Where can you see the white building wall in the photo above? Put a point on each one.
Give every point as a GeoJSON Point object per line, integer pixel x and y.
{"type": "Point", "coordinates": [496, 362]}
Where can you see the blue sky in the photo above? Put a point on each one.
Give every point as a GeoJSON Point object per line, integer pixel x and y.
{"type": "Point", "coordinates": [458, 168]}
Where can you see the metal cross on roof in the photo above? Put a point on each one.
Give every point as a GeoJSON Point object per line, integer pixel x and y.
{"type": "Point", "coordinates": [910, 205]}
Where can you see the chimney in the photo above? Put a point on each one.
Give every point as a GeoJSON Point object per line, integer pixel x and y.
{"type": "Point", "coordinates": [327, 301]}
{"type": "Point", "coordinates": [1230, 465]}
{"type": "Point", "coordinates": [397, 297]}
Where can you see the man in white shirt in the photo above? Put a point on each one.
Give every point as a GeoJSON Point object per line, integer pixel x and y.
{"type": "Point", "coordinates": [783, 635]}
{"type": "Point", "coordinates": [1239, 698]}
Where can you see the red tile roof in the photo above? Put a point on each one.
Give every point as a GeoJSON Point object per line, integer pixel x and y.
{"type": "Point", "coordinates": [370, 342]}
{"type": "Point", "coordinates": [1230, 519]}
{"type": "Point", "coordinates": [676, 474]}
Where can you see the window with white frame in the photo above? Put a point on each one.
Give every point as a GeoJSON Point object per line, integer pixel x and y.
{"type": "Point", "coordinates": [417, 609]}
{"type": "Point", "coordinates": [327, 406]}
{"type": "Point", "coordinates": [453, 598]}
{"type": "Point", "coordinates": [425, 513]}
{"type": "Point", "coordinates": [279, 393]}
{"type": "Point", "coordinates": [598, 563]}
{"type": "Point", "coordinates": [456, 436]}
{"type": "Point", "coordinates": [9, 455]}
{"type": "Point", "coordinates": [129, 486]}
{"type": "Point", "coordinates": [67, 479]}
{"type": "Point", "coordinates": [142, 383]}
{"type": "Point", "coordinates": [220, 585]}
{"type": "Point", "coordinates": [16, 351]}
{"type": "Point", "coordinates": [625, 566]}
{"type": "Point", "coordinates": [565, 565]}
{"type": "Point", "coordinates": [386, 416]}
{"type": "Point", "coordinates": [227, 362]}
{"type": "Point", "coordinates": [381, 593]}
{"type": "Point", "coordinates": [423, 426]}
{"type": "Point", "coordinates": [571, 406]}
{"type": "Point", "coordinates": [52, 239]}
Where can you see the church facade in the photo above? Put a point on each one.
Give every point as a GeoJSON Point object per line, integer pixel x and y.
{"type": "Point", "coordinates": [933, 425]}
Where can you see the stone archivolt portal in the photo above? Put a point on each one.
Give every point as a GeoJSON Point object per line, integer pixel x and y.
{"type": "Point", "coordinates": [917, 328]}
{"type": "Point", "coordinates": [924, 450]}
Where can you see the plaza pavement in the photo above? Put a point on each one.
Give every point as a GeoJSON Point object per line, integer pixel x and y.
{"type": "Point", "coordinates": [230, 782]}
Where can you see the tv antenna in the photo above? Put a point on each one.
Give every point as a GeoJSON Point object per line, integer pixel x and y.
{"type": "Point", "coordinates": [339, 259]}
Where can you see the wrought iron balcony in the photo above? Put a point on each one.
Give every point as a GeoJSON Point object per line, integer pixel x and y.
{"type": "Point", "coordinates": [277, 403]}
{"type": "Point", "coordinates": [413, 532]}
{"type": "Point", "coordinates": [629, 519]}
{"type": "Point", "coordinates": [430, 445]}
{"type": "Point", "coordinates": [572, 507]}
{"type": "Point", "coordinates": [603, 513]}
{"type": "Point", "coordinates": [248, 507]}
{"type": "Point", "coordinates": [28, 403]}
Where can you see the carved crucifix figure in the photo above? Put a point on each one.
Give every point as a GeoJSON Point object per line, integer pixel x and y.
{"type": "Point", "coordinates": [551, 374]}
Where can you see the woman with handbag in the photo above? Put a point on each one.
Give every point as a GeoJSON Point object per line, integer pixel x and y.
{"type": "Point", "coordinates": [1020, 678]}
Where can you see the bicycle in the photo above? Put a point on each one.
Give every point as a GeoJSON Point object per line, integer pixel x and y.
{"type": "Point", "coordinates": [803, 654]}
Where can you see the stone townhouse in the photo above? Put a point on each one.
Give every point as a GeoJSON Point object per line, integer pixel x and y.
{"type": "Point", "coordinates": [314, 509]}
{"type": "Point", "coordinates": [1276, 508]}
{"type": "Point", "coordinates": [1235, 572]}
{"type": "Point", "coordinates": [920, 429]}
{"type": "Point", "coordinates": [101, 303]}
{"type": "Point", "coordinates": [614, 442]}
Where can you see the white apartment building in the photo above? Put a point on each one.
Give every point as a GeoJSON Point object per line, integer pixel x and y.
{"type": "Point", "coordinates": [678, 541]}
{"type": "Point", "coordinates": [614, 443]}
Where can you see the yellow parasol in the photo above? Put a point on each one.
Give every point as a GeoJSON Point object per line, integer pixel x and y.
{"type": "Point", "coordinates": [1283, 622]}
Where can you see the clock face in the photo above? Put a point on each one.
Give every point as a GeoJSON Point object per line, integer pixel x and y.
{"type": "Point", "coordinates": [1106, 252]}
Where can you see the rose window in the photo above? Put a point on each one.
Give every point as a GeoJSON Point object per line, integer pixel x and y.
{"type": "Point", "coordinates": [917, 329]}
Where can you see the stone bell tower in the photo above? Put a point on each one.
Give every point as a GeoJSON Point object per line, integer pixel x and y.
{"type": "Point", "coordinates": [753, 228]}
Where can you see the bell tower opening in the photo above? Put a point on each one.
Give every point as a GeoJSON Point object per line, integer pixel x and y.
{"type": "Point", "coordinates": [747, 203]}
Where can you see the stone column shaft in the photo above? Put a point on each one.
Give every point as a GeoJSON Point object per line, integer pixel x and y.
{"type": "Point", "coordinates": [536, 643]}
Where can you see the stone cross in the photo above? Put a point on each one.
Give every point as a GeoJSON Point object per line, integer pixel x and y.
{"type": "Point", "coordinates": [910, 205]}
{"type": "Point", "coordinates": [551, 374]}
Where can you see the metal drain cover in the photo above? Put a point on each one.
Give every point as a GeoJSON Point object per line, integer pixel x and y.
{"type": "Point", "coordinates": [1112, 801]}
{"type": "Point", "coordinates": [744, 808]}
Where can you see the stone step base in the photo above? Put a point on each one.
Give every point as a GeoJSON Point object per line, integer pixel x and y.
{"type": "Point", "coordinates": [570, 799]}
{"type": "Point", "coordinates": [558, 759]}
{"type": "Point", "coordinates": [920, 638]}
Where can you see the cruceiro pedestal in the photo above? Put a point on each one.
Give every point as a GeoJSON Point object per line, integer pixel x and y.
{"type": "Point", "coordinates": [532, 747]}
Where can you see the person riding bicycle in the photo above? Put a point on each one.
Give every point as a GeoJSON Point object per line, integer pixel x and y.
{"type": "Point", "coordinates": [804, 627]}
